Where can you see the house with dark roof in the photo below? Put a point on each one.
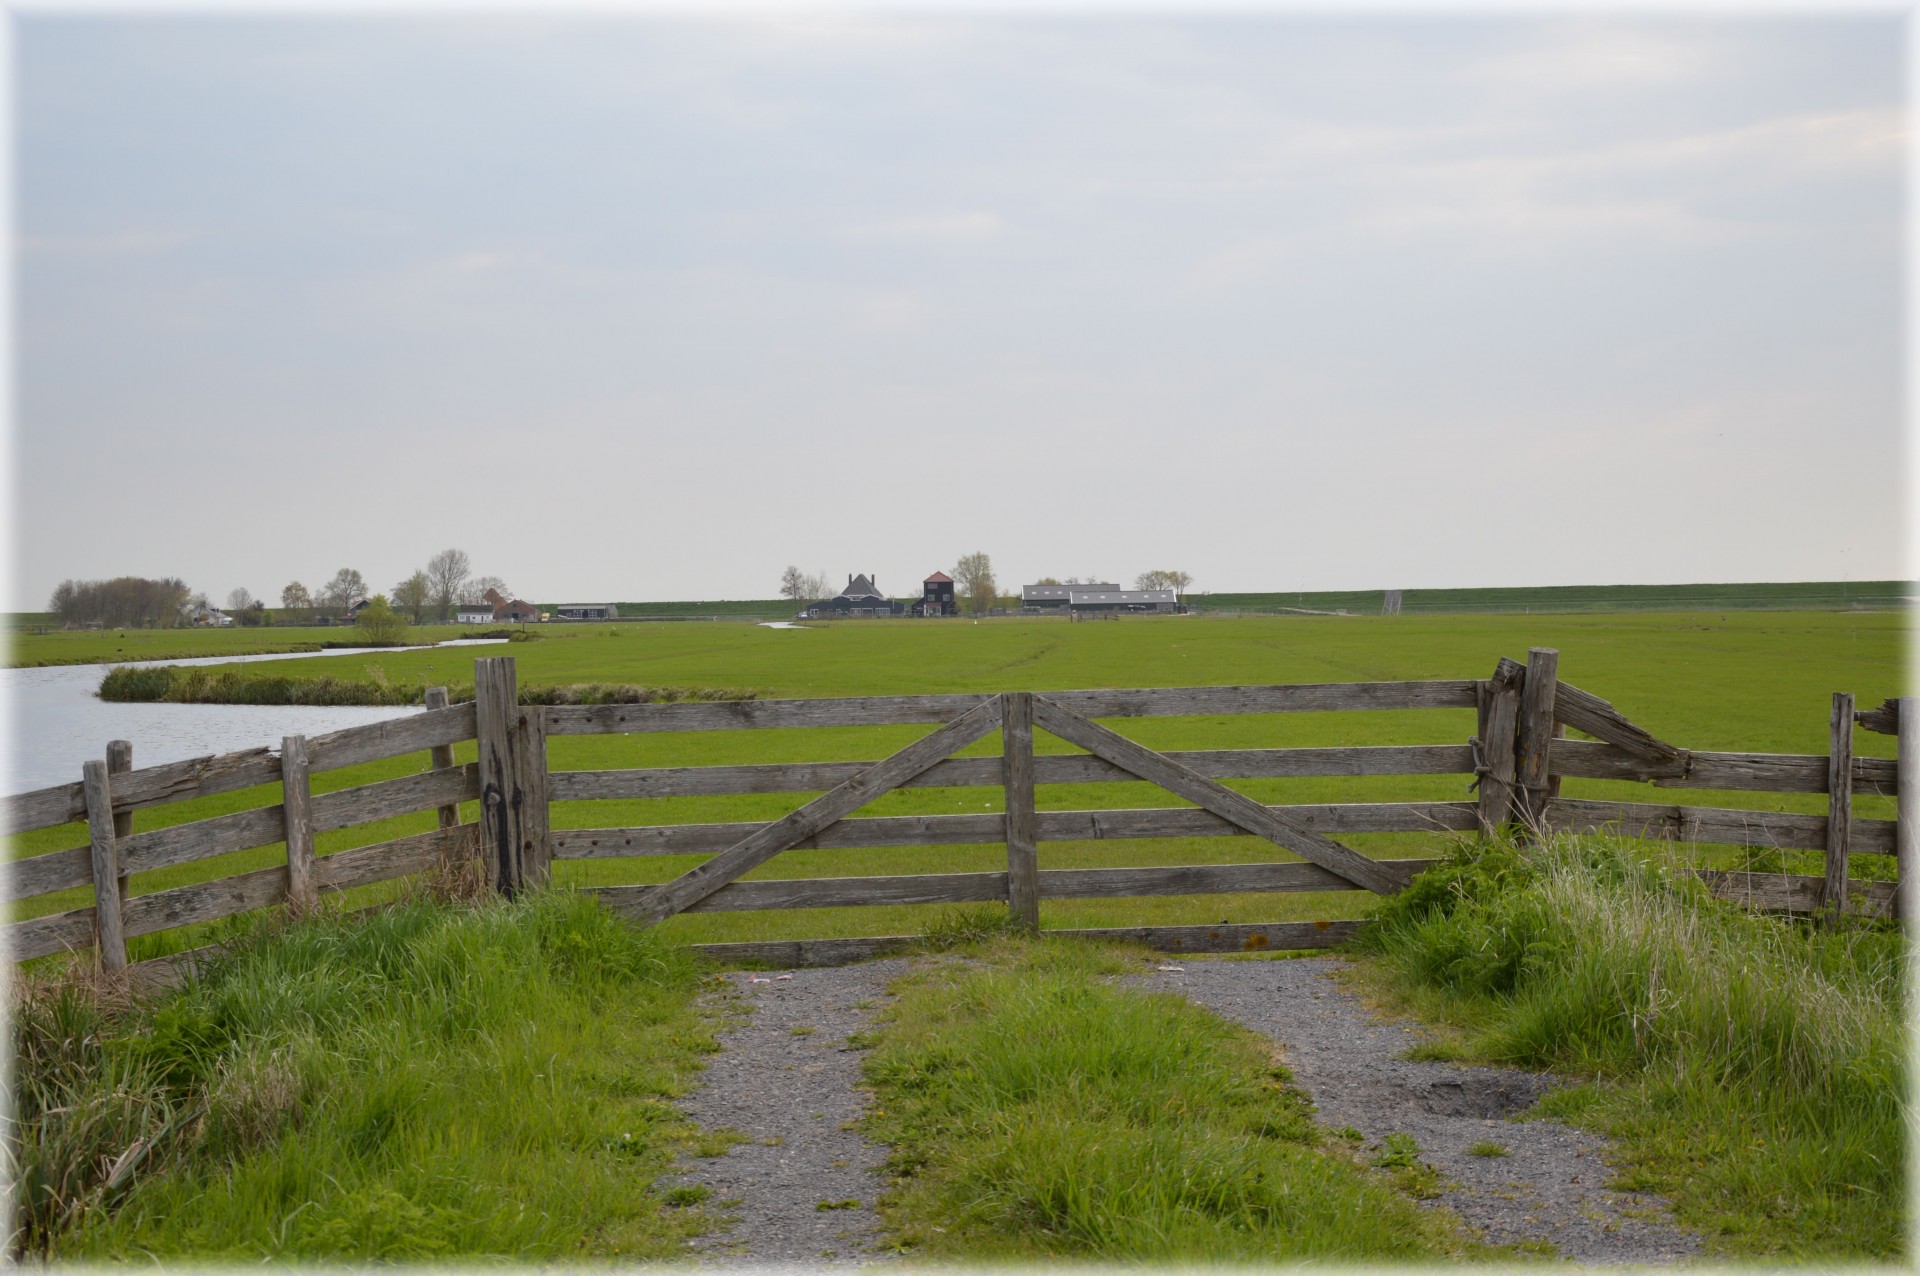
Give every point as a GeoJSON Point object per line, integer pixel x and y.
{"type": "Point", "coordinates": [1043, 600]}
{"type": "Point", "coordinates": [860, 598]}
{"type": "Point", "coordinates": [936, 597]}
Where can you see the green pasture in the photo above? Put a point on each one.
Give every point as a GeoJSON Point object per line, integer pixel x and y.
{"type": "Point", "coordinates": [1729, 681]}
{"type": "Point", "coordinates": [110, 646]}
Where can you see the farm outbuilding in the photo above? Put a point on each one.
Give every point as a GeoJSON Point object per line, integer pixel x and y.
{"type": "Point", "coordinates": [586, 611]}
{"type": "Point", "coordinates": [1046, 598]}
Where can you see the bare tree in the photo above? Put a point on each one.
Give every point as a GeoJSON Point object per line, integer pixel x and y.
{"type": "Point", "coordinates": [345, 589]}
{"type": "Point", "coordinates": [239, 599]}
{"type": "Point", "coordinates": [1174, 580]}
{"type": "Point", "coordinates": [475, 590]}
{"type": "Point", "coordinates": [973, 575]}
{"type": "Point", "coordinates": [414, 594]}
{"type": "Point", "coordinates": [295, 600]}
{"type": "Point", "coordinates": [793, 585]}
{"type": "Point", "coordinates": [447, 571]}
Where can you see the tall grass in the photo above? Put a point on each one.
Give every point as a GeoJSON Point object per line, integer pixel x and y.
{"type": "Point", "coordinates": [1037, 1111]}
{"type": "Point", "coordinates": [428, 1081]}
{"type": "Point", "coordinates": [1754, 1068]}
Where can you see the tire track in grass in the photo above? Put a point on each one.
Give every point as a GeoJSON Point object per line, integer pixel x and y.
{"type": "Point", "coordinates": [800, 1188]}
{"type": "Point", "coordinates": [1547, 1181]}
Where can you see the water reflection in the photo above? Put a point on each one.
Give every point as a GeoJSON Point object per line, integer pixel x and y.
{"type": "Point", "coordinates": [57, 722]}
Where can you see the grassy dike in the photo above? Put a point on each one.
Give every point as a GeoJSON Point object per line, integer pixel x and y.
{"type": "Point", "coordinates": [427, 1082]}
{"type": "Point", "coordinates": [1753, 1070]}
{"type": "Point", "coordinates": [1039, 1112]}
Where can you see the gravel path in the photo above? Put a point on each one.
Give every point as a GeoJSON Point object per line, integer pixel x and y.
{"type": "Point", "coordinates": [1550, 1187]}
{"type": "Point", "coordinates": [787, 1079]}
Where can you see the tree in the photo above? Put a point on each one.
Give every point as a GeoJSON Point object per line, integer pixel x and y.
{"type": "Point", "coordinates": [122, 602]}
{"type": "Point", "coordinates": [378, 626]}
{"type": "Point", "coordinates": [1176, 581]}
{"type": "Point", "coordinates": [414, 594]}
{"type": "Point", "coordinates": [239, 599]}
{"type": "Point", "coordinates": [447, 571]}
{"type": "Point", "coordinates": [973, 577]}
{"type": "Point", "coordinates": [793, 585]}
{"type": "Point", "coordinates": [475, 590]}
{"type": "Point", "coordinates": [297, 602]}
{"type": "Point", "coordinates": [345, 589]}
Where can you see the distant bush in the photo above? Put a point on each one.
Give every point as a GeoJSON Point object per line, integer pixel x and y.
{"type": "Point", "coordinates": [174, 684]}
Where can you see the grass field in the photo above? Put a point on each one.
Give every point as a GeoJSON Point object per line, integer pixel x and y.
{"type": "Point", "coordinates": [1748, 681]}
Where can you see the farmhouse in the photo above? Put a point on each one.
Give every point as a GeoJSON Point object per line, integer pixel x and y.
{"type": "Point", "coordinates": [515, 610]}
{"type": "Point", "coordinates": [859, 598]}
{"type": "Point", "coordinates": [585, 611]}
{"type": "Point", "coordinates": [474, 613]}
{"type": "Point", "coordinates": [936, 597]}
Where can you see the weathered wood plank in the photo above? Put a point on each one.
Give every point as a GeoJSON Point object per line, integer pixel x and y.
{"type": "Point", "coordinates": [1793, 893]}
{"type": "Point", "coordinates": [863, 711]}
{"type": "Point", "coordinates": [1054, 768]}
{"type": "Point", "coordinates": [1054, 826]}
{"type": "Point", "coordinates": [440, 758]}
{"type": "Point", "coordinates": [245, 892]}
{"type": "Point", "coordinates": [1584, 711]}
{"type": "Point", "coordinates": [1839, 801]}
{"type": "Point", "coordinates": [67, 932]}
{"type": "Point", "coordinates": [119, 762]}
{"type": "Point", "coordinates": [513, 808]}
{"type": "Point", "coordinates": [800, 954]}
{"type": "Point", "coordinates": [108, 927]}
{"type": "Point", "coordinates": [398, 857]}
{"type": "Point", "coordinates": [1883, 718]}
{"type": "Point", "coordinates": [757, 848]}
{"type": "Point", "coordinates": [821, 892]}
{"type": "Point", "coordinates": [1907, 821]}
{"type": "Point", "coordinates": [247, 768]}
{"type": "Point", "coordinates": [1497, 745]}
{"type": "Point", "coordinates": [732, 715]}
{"type": "Point", "coordinates": [1755, 772]}
{"type": "Point", "coordinates": [297, 806]}
{"type": "Point", "coordinates": [1023, 839]}
{"type": "Point", "coordinates": [1213, 796]}
{"type": "Point", "coordinates": [385, 799]}
{"type": "Point", "coordinates": [43, 808]}
{"type": "Point", "coordinates": [1718, 825]}
{"type": "Point", "coordinates": [184, 843]}
{"type": "Point", "coordinates": [1207, 879]}
{"type": "Point", "coordinates": [1533, 737]}
{"type": "Point", "coordinates": [49, 872]}
{"type": "Point", "coordinates": [1329, 697]}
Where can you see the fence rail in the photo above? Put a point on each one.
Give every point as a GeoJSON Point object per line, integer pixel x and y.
{"type": "Point", "coordinates": [1517, 758]}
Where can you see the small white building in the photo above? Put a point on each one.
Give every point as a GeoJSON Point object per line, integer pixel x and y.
{"type": "Point", "coordinates": [473, 614]}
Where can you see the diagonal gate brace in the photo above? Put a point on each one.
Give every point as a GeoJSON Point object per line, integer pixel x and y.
{"type": "Point", "coordinates": [1236, 808]}
{"type": "Point", "coordinates": [757, 848]}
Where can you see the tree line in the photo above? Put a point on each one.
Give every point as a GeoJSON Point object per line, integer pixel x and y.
{"type": "Point", "coordinates": [133, 602]}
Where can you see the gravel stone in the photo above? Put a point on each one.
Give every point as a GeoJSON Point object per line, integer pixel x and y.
{"type": "Point", "coordinates": [1552, 1185]}
{"type": "Point", "coordinates": [792, 1094]}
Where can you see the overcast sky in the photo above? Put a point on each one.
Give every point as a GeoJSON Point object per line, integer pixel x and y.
{"type": "Point", "coordinates": [645, 307]}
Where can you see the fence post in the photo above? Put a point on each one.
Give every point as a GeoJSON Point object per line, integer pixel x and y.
{"type": "Point", "coordinates": [1497, 745]}
{"type": "Point", "coordinates": [440, 757]}
{"type": "Point", "coordinates": [1906, 828]}
{"type": "Point", "coordinates": [1023, 852]}
{"type": "Point", "coordinates": [1833, 891]}
{"type": "Point", "coordinates": [107, 928]}
{"type": "Point", "coordinates": [119, 762]}
{"type": "Point", "coordinates": [513, 774]}
{"type": "Point", "coordinates": [1535, 762]}
{"type": "Point", "coordinates": [296, 794]}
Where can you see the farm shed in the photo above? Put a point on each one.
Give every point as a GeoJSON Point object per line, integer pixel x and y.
{"type": "Point", "coordinates": [474, 613]}
{"type": "Point", "coordinates": [586, 611]}
{"type": "Point", "coordinates": [1046, 598]}
{"type": "Point", "coordinates": [515, 611]}
{"type": "Point", "coordinates": [1097, 598]}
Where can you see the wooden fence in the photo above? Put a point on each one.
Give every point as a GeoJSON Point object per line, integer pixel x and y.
{"type": "Point", "coordinates": [1515, 760]}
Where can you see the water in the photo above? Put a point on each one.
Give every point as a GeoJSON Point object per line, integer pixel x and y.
{"type": "Point", "coordinates": [57, 722]}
